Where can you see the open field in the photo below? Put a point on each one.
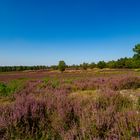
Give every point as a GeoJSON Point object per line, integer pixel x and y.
{"type": "Point", "coordinates": [7, 76]}
{"type": "Point", "coordinates": [73, 105]}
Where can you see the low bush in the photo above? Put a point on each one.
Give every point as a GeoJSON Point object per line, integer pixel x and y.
{"type": "Point", "coordinates": [125, 82]}
{"type": "Point", "coordinates": [3, 89]}
{"type": "Point", "coordinates": [11, 87]}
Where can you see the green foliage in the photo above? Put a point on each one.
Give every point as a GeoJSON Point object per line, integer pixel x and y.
{"type": "Point", "coordinates": [46, 80]}
{"type": "Point", "coordinates": [12, 87]}
{"type": "Point", "coordinates": [101, 64]}
{"type": "Point", "coordinates": [92, 65]}
{"type": "Point", "coordinates": [55, 83]}
{"type": "Point", "coordinates": [3, 89]}
{"type": "Point", "coordinates": [76, 67]}
{"type": "Point", "coordinates": [136, 51]}
{"type": "Point", "coordinates": [111, 64]}
{"type": "Point", "coordinates": [84, 66]}
{"type": "Point", "coordinates": [121, 63]}
{"type": "Point", "coordinates": [20, 68]}
{"type": "Point", "coordinates": [62, 66]}
{"type": "Point", "coordinates": [54, 67]}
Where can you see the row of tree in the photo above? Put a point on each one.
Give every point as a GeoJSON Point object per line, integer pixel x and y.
{"type": "Point", "coordinates": [21, 68]}
{"type": "Point", "coordinates": [133, 62]}
{"type": "Point", "coordinates": [120, 63]}
{"type": "Point", "coordinates": [130, 63]}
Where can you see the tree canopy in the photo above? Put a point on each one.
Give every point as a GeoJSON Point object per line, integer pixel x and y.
{"type": "Point", "coordinates": [136, 50]}
{"type": "Point", "coordinates": [62, 65]}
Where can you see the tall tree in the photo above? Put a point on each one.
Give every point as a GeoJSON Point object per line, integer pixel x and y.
{"type": "Point", "coordinates": [62, 65]}
{"type": "Point", "coordinates": [137, 52]}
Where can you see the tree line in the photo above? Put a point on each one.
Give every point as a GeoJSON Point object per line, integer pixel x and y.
{"type": "Point", "coordinates": [132, 62]}
{"type": "Point", "coordinates": [21, 68]}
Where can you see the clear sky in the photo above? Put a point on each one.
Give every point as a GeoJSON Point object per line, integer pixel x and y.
{"type": "Point", "coordinates": [42, 32]}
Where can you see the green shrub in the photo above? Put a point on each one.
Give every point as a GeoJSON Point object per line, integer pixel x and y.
{"type": "Point", "coordinates": [101, 64]}
{"type": "Point", "coordinates": [3, 89]}
{"type": "Point", "coordinates": [46, 80]}
{"type": "Point", "coordinates": [55, 83]}
{"type": "Point", "coordinates": [11, 87]}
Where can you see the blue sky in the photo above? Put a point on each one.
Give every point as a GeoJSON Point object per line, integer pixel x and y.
{"type": "Point", "coordinates": [42, 32]}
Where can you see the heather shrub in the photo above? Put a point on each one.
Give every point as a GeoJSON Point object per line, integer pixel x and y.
{"type": "Point", "coordinates": [104, 122]}
{"type": "Point", "coordinates": [127, 125]}
{"type": "Point", "coordinates": [71, 119]}
{"type": "Point", "coordinates": [125, 82]}
{"type": "Point", "coordinates": [87, 84]}
{"type": "Point", "coordinates": [117, 100]}
{"type": "Point", "coordinates": [84, 109]}
{"type": "Point", "coordinates": [131, 83]}
{"type": "Point", "coordinates": [105, 99]}
{"type": "Point", "coordinates": [114, 83]}
{"type": "Point", "coordinates": [28, 119]}
{"type": "Point", "coordinates": [102, 103]}
{"type": "Point", "coordinates": [49, 83]}
{"type": "Point", "coordinates": [108, 106]}
{"type": "Point", "coordinates": [122, 102]}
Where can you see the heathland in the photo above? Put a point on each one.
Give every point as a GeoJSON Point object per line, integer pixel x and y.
{"type": "Point", "coordinates": [70, 105]}
{"type": "Point", "coordinates": [85, 102]}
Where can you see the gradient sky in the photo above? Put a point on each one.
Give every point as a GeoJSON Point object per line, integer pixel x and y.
{"type": "Point", "coordinates": [42, 32]}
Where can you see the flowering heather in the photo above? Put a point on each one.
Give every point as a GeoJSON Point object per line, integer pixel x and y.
{"type": "Point", "coordinates": [79, 109]}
